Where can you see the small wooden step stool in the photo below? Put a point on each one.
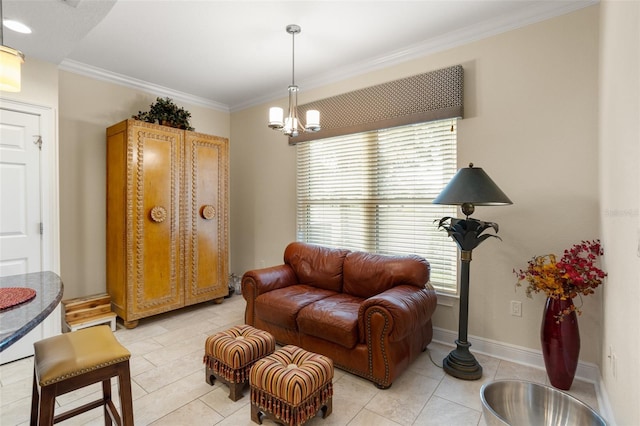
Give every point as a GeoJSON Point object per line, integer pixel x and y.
{"type": "Point", "coordinates": [83, 312]}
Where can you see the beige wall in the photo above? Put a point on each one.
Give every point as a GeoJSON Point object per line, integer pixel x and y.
{"type": "Point", "coordinates": [87, 108]}
{"type": "Point", "coordinates": [530, 122]}
{"type": "Point", "coordinates": [530, 90]}
{"type": "Point", "coordinates": [620, 214]}
{"type": "Point", "coordinates": [39, 84]}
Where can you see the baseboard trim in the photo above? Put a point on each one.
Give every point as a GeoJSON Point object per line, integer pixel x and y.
{"type": "Point", "coordinates": [586, 371]}
{"type": "Point", "coordinates": [519, 354]}
{"type": "Point", "coordinates": [604, 404]}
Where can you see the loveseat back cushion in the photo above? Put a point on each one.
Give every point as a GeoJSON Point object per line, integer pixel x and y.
{"type": "Point", "coordinates": [333, 318]}
{"type": "Point", "coordinates": [368, 274]}
{"type": "Point", "coordinates": [317, 266]}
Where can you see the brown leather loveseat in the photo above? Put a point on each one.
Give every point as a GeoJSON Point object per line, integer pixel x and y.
{"type": "Point", "coordinates": [370, 313]}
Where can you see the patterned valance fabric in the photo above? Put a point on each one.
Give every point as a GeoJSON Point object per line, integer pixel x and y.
{"type": "Point", "coordinates": [434, 95]}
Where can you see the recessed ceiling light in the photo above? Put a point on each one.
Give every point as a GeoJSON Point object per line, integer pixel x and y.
{"type": "Point", "coordinates": [17, 26]}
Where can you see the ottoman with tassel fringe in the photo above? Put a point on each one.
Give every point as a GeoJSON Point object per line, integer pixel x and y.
{"type": "Point", "coordinates": [291, 386]}
{"type": "Point", "coordinates": [230, 354]}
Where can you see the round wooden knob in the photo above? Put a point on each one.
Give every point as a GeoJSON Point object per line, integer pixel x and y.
{"type": "Point", "coordinates": [208, 212]}
{"type": "Point", "coordinates": [158, 214]}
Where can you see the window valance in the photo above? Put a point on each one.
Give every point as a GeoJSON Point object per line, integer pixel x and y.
{"type": "Point", "coordinates": [433, 95]}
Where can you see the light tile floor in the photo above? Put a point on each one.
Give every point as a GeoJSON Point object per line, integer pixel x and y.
{"type": "Point", "coordinates": [169, 387]}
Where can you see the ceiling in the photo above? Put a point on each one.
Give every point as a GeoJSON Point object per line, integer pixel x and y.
{"type": "Point", "coordinates": [233, 54]}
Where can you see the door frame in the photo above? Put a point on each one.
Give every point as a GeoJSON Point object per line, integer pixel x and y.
{"type": "Point", "coordinates": [50, 216]}
{"type": "Point", "coordinates": [49, 180]}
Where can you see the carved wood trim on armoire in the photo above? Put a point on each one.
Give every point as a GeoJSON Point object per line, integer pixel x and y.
{"type": "Point", "coordinates": [167, 218]}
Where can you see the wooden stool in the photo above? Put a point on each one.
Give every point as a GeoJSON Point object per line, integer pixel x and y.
{"type": "Point", "coordinates": [229, 355]}
{"type": "Point", "coordinates": [74, 360]}
{"type": "Point", "coordinates": [291, 386]}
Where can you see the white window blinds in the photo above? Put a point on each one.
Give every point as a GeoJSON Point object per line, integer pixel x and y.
{"type": "Point", "coordinates": [373, 191]}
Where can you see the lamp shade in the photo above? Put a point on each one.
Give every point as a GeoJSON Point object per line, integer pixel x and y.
{"type": "Point", "coordinates": [276, 115]}
{"type": "Point", "coordinates": [10, 63]}
{"type": "Point", "coordinates": [471, 185]}
{"type": "Point", "coordinates": [313, 120]}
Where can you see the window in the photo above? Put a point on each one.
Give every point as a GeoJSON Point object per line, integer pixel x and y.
{"type": "Point", "coordinates": [373, 191]}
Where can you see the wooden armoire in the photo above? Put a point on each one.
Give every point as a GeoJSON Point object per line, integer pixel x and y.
{"type": "Point", "coordinates": [167, 219]}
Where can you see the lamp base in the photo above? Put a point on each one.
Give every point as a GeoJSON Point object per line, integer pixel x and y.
{"type": "Point", "coordinates": [461, 363]}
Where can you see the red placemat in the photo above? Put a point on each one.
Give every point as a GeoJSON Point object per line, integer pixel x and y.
{"type": "Point", "coordinates": [12, 296]}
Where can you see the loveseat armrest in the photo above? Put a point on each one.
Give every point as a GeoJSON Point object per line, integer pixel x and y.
{"type": "Point", "coordinates": [260, 281]}
{"type": "Point", "coordinates": [405, 308]}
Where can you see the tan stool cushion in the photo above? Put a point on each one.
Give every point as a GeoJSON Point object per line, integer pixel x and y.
{"type": "Point", "coordinates": [71, 354]}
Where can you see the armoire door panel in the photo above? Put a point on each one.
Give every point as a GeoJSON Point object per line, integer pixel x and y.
{"type": "Point", "coordinates": [206, 254]}
{"type": "Point", "coordinates": [156, 201]}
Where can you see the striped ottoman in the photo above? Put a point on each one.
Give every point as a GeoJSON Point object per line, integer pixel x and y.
{"type": "Point", "coordinates": [291, 386]}
{"type": "Point", "coordinates": [229, 355]}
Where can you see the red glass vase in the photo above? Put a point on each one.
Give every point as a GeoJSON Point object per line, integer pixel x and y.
{"type": "Point", "coordinates": [560, 343]}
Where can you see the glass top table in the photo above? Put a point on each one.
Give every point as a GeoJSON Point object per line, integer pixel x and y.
{"type": "Point", "coordinates": [17, 321]}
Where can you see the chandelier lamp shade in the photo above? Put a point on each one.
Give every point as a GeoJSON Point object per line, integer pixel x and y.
{"type": "Point", "coordinates": [291, 125]}
{"type": "Point", "coordinates": [11, 61]}
{"type": "Point", "coordinates": [469, 187]}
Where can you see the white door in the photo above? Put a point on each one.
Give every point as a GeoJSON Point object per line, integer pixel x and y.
{"type": "Point", "coordinates": [20, 207]}
{"type": "Point", "coordinates": [20, 212]}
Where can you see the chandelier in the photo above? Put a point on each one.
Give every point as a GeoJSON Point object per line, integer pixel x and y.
{"type": "Point", "coordinates": [291, 125]}
{"type": "Point", "coordinates": [10, 62]}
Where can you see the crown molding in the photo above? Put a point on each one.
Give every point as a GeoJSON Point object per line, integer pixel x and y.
{"type": "Point", "coordinates": [539, 11]}
{"type": "Point", "coordinates": [500, 24]}
{"type": "Point", "coordinates": [151, 88]}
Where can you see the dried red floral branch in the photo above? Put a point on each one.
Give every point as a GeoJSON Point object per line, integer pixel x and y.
{"type": "Point", "coordinates": [574, 274]}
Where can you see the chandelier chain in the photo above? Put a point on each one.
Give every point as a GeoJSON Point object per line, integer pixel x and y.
{"type": "Point", "coordinates": [293, 58]}
{"type": "Point", "coordinates": [1, 25]}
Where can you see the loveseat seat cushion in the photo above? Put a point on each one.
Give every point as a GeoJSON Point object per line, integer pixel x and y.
{"type": "Point", "coordinates": [281, 306]}
{"type": "Point", "coordinates": [368, 274]}
{"type": "Point", "coordinates": [334, 318]}
{"type": "Point", "coordinates": [316, 266]}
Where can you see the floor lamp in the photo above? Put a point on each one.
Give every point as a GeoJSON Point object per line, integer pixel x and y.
{"type": "Point", "coordinates": [470, 187]}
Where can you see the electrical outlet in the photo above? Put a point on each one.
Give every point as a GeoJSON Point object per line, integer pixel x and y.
{"type": "Point", "coordinates": [614, 365]}
{"type": "Point", "coordinates": [516, 308]}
